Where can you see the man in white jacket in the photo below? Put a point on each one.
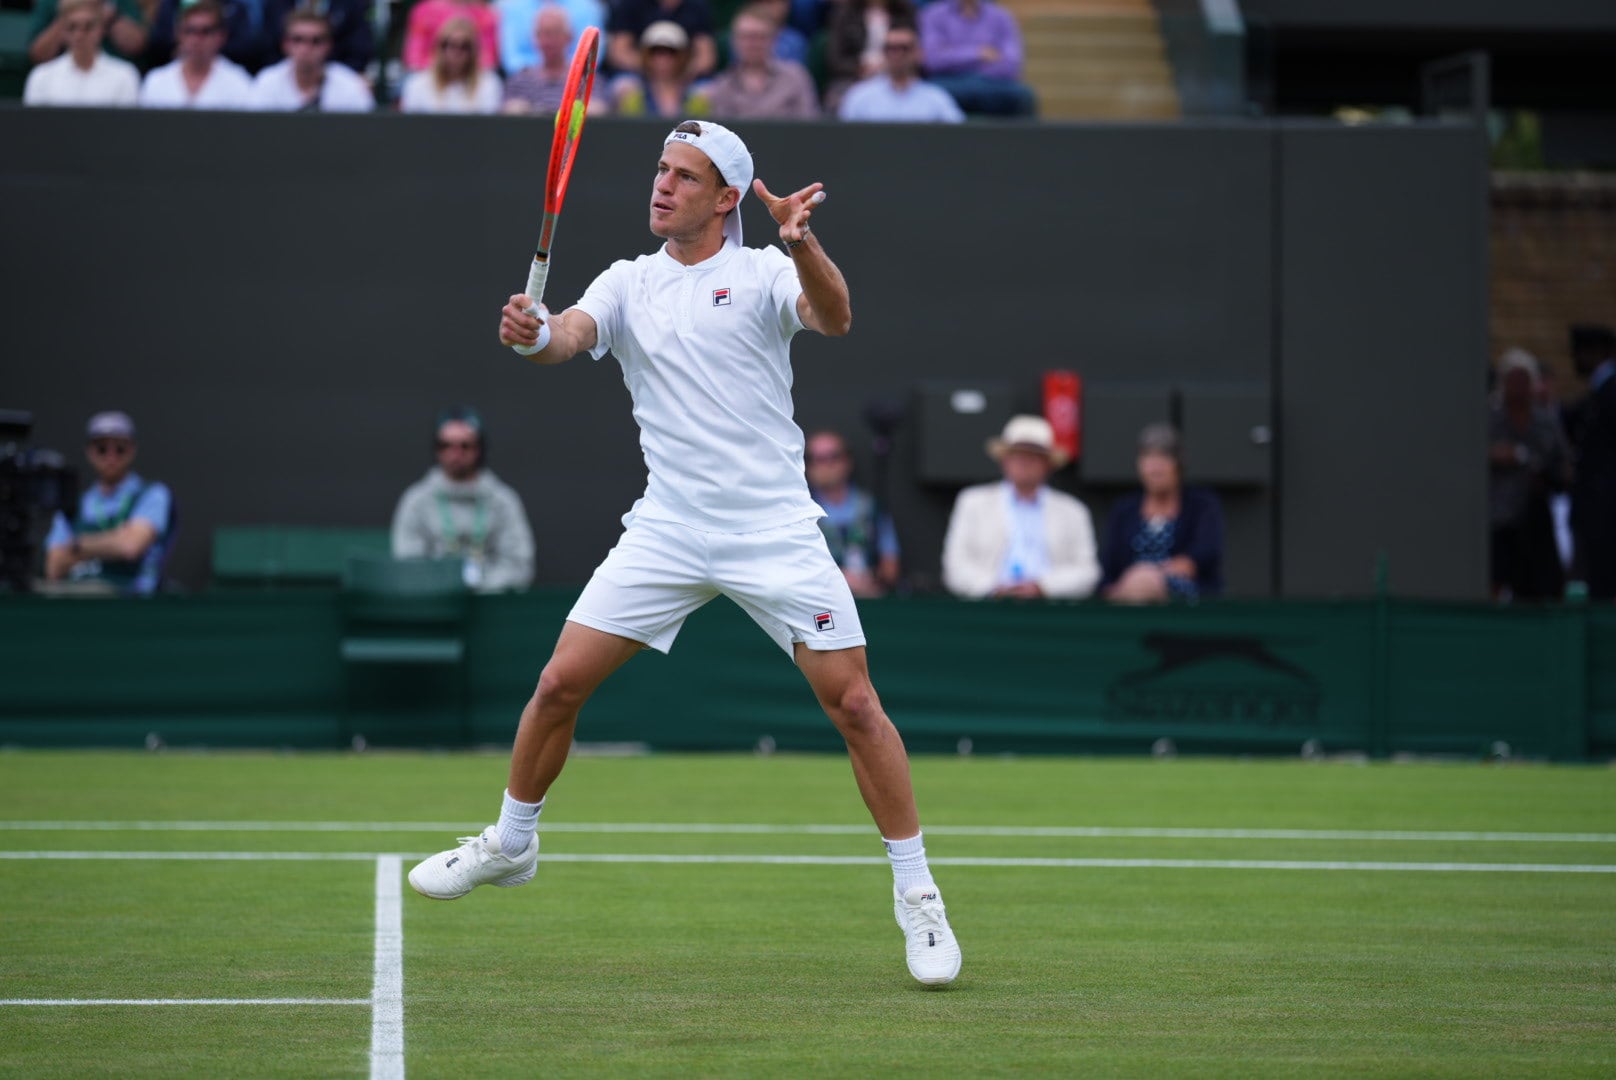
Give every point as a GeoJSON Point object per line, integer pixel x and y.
{"type": "Point", "coordinates": [1019, 537]}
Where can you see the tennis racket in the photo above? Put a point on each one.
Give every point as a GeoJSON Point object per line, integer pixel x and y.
{"type": "Point", "coordinates": [569, 128]}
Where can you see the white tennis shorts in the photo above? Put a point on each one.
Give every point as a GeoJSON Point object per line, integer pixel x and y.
{"type": "Point", "coordinates": [660, 572]}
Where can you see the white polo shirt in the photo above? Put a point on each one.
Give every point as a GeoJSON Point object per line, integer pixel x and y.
{"type": "Point", "coordinates": [109, 81]}
{"type": "Point", "coordinates": [706, 355]}
{"type": "Point", "coordinates": [275, 90]}
{"type": "Point", "coordinates": [228, 86]}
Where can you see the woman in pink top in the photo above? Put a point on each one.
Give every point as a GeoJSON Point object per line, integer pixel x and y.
{"type": "Point", "coordinates": [428, 17]}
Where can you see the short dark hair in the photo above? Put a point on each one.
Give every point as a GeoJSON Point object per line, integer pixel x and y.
{"type": "Point", "coordinates": [690, 127]}
{"type": "Point", "coordinates": [1591, 336]}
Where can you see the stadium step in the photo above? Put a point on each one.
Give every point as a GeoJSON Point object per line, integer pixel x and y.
{"type": "Point", "coordinates": [1096, 59]}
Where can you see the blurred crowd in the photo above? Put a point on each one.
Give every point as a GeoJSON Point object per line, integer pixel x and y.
{"type": "Point", "coordinates": [883, 60]}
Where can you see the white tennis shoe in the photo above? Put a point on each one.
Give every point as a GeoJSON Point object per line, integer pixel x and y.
{"type": "Point", "coordinates": [477, 861]}
{"type": "Point", "coordinates": [934, 954]}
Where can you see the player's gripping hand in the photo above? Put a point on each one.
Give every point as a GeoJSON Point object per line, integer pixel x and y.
{"type": "Point", "coordinates": [791, 211]}
{"type": "Point", "coordinates": [516, 326]}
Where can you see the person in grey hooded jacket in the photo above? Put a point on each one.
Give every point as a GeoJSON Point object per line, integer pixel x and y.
{"type": "Point", "coordinates": [461, 508]}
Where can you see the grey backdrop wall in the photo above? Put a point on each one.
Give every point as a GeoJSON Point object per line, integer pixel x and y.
{"type": "Point", "coordinates": [286, 302]}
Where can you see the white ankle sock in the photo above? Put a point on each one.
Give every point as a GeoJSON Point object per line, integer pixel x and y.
{"type": "Point", "coordinates": [908, 862]}
{"type": "Point", "coordinates": [517, 823]}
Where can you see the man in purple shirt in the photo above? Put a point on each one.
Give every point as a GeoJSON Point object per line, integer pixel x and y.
{"type": "Point", "coordinates": [973, 50]}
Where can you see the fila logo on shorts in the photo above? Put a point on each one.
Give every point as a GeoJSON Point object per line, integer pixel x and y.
{"type": "Point", "coordinates": [823, 621]}
{"type": "Point", "coordinates": [720, 298]}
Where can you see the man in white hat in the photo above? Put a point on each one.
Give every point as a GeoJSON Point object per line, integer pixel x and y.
{"type": "Point", "coordinates": [1018, 537]}
{"type": "Point", "coordinates": [702, 329]}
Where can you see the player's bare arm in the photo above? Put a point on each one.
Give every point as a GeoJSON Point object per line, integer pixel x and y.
{"type": "Point", "coordinates": [571, 331]}
{"type": "Point", "coordinates": [824, 305]}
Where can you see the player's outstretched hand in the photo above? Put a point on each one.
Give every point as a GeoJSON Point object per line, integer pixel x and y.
{"type": "Point", "coordinates": [516, 326]}
{"type": "Point", "coordinates": [791, 211]}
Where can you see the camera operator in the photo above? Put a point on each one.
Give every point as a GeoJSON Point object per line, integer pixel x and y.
{"type": "Point", "coordinates": [121, 534]}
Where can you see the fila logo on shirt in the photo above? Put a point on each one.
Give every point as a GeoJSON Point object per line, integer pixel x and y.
{"type": "Point", "coordinates": [823, 622]}
{"type": "Point", "coordinates": [720, 298]}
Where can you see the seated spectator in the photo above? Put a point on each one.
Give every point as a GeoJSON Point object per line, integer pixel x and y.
{"type": "Point", "coordinates": [1019, 537]}
{"type": "Point", "coordinates": [199, 78]}
{"type": "Point", "coordinates": [538, 88]}
{"type": "Point", "coordinates": [121, 535]}
{"type": "Point", "coordinates": [973, 50]}
{"type": "Point", "coordinates": [758, 84]}
{"type": "Point", "coordinates": [455, 83]}
{"type": "Point", "coordinates": [1166, 542]}
{"type": "Point", "coordinates": [853, 41]}
{"type": "Point", "coordinates": [1528, 461]}
{"type": "Point", "coordinates": [83, 75]}
{"type": "Point", "coordinates": [353, 45]}
{"type": "Point", "coordinates": [664, 86]}
{"type": "Point", "coordinates": [244, 38]}
{"type": "Point", "coordinates": [1593, 495]}
{"type": "Point", "coordinates": [123, 34]}
{"type": "Point", "coordinates": [789, 42]}
{"type": "Point", "coordinates": [518, 30]}
{"type": "Point", "coordinates": [427, 18]}
{"type": "Point", "coordinates": [862, 541]}
{"type": "Point", "coordinates": [630, 19]}
{"type": "Point", "coordinates": [900, 94]}
{"type": "Point", "coordinates": [307, 80]}
{"type": "Point", "coordinates": [460, 508]}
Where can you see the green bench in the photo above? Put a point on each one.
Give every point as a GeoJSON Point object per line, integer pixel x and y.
{"type": "Point", "coordinates": [290, 556]}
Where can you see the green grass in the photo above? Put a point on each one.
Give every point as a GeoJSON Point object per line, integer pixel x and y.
{"type": "Point", "coordinates": [608, 970]}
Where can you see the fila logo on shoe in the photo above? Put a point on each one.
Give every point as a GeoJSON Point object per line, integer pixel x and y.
{"type": "Point", "coordinates": [927, 896]}
{"type": "Point", "coordinates": [451, 862]}
{"type": "Point", "coordinates": [931, 938]}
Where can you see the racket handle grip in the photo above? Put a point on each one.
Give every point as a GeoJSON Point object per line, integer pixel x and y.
{"type": "Point", "coordinates": [537, 275]}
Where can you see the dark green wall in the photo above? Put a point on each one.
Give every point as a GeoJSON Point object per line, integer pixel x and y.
{"type": "Point", "coordinates": [286, 302]}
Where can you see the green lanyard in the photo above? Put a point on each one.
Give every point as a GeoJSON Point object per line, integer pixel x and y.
{"type": "Point", "coordinates": [479, 525]}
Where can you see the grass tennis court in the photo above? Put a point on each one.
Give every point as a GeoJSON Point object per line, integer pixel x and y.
{"type": "Point", "coordinates": [1119, 917]}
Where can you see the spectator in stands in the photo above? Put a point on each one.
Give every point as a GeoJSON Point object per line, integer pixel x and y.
{"type": "Point", "coordinates": [307, 80]}
{"type": "Point", "coordinates": [973, 50]}
{"type": "Point", "coordinates": [758, 84]}
{"type": "Point", "coordinates": [519, 48]}
{"type": "Point", "coordinates": [353, 45]}
{"type": "Point", "coordinates": [123, 32]}
{"type": "Point", "coordinates": [1528, 459]}
{"type": "Point", "coordinates": [664, 85]}
{"type": "Point", "coordinates": [244, 36]}
{"type": "Point", "coordinates": [538, 87]}
{"type": "Point", "coordinates": [460, 508]}
{"type": "Point", "coordinates": [1019, 537]}
{"type": "Point", "coordinates": [853, 41]}
{"type": "Point", "coordinates": [121, 534]}
{"type": "Point", "coordinates": [199, 78]}
{"type": "Point", "coordinates": [789, 42]}
{"type": "Point", "coordinates": [861, 539]}
{"type": "Point", "coordinates": [455, 83]}
{"type": "Point", "coordinates": [1166, 541]}
{"type": "Point", "coordinates": [83, 75]}
{"type": "Point", "coordinates": [427, 18]}
{"type": "Point", "coordinates": [1593, 492]}
{"type": "Point", "coordinates": [630, 19]}
{"type": "Point", "coordinates": [899, 93]}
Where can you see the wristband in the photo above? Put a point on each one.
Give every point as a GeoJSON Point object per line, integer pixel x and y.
{"type": "Point", "coordinates": [544, 337]}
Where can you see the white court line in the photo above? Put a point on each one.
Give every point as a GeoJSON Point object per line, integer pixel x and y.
{"type": "Point", "coordinates": [880, 860]}
{"type": "Point", "coordinates": [387, 992]}
{"type": "Point", "coordinates": [733, 828]}
{"type": "Point", "coordinates": [185, 1001]}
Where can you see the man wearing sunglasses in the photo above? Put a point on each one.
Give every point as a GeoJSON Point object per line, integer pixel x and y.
{"type": "Point", "coordinates": [461, 509]}
{"type": "Point", "coordinates": [120, 536]}
{"type": "Point", "coordinates": [307, 80]}
{"type": "Point", "coordinates": [899, 94]}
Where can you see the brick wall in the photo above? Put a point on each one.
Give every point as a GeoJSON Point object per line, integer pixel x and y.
{"type": "Point", "coordinates": [1553, 264]}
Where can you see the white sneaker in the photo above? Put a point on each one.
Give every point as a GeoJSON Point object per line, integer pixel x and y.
{"type": "Point", "coordinates": [934, 955]}
{"type": "Point", "coordinates": [477, 861]}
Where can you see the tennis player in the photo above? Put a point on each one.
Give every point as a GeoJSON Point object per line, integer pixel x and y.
{"type": "Point", "coordinates": [702, 329]}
